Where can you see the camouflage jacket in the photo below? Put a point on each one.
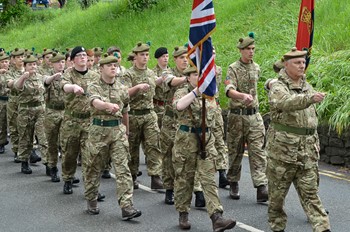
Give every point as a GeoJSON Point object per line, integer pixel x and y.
{"type": "Point", "coordinates": [44, 69]}
{"type": "Point", "coordinates": [3, 85]}
{"type": "Point", "coordinates": [32, 91]}
{"type": "Point", "coordinates": [169, 90]}
{"type": "Point", "coordinates": [218, 70]}
{"type": "Point", "coordinates": [243, 78]}
{"type": "Point", "coordinates": [12, 75]}
{"type": "Point", "coordinates": [54, 92]}
{"type": "Point", "coordinates": [114, 93]}
{"type": "Point", "coordinates": [159, 88]}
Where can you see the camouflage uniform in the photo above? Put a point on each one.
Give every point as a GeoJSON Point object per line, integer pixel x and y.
{"type": "Point", "coordinates": [76, 120]}
{"type": "Point", "coordinates": [245, 124]}
{"type": "Point", "coordinates": [30, 113]}
{"type": "Point", "coordinates": [44, 69]}
{"type": "Point", "coordinates": [143, 125]}
{"type": "Point", "coordinates": [158, 98]}
{"type": "Point", "coordinates": [293, 152]}
{"type": "Point", "coordinates": [107, 141]}
{"type": "Point", "coordinates": [186, 159]}
{"type": "Point", "coordinates": [3, 112]}
{"type": "Point", "coordinates": [53, 119]}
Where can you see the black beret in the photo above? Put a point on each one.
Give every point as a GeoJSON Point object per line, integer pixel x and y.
{"type": "Point", "coordinates": [75, 51]}
{"type": "Point", "coordinates": [160, 51]}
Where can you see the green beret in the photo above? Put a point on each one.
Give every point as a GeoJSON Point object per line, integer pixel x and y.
{"type": "Point", "coordinates": [245, 42]}
{"type": "Point", "coordinates": [29, 59]}
{"type": "Point", "coordinates": [178, 51]}
{"type": "Point", "coordinates": [39, 55]}
{"type": "Point", "coordinates": [294, 53]}
{"type": "Point", "coordinates": [107, 59]}
{"type": "Point", "coordinates": [141, 47]}
{"type": "Point", "coordinates": [131, 56]}
{"type": "Point", "coordinates": [3, 56]}
{"type": "Point", "coordinates": [56, 57]}
{"type": "Point", "coordinates": [189, 70]}
{"type": "Point", "coordinates": [47, 51]}
{"type": "Point", "coordinates": [17, 52]}
{"type": "Point", "coordinates": [98, 51]}
{"type": "Point", "coordinates": [28, 52]}
{"type": "Point", "coordinates": [278, 65]}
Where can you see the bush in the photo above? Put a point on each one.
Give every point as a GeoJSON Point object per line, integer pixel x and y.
{"type": "Point", "coordinates": [140, 5]}
{"type": "Point", "coordinates": [12, 12]}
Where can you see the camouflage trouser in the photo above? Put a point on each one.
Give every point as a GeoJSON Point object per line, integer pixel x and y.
{"type": "Point", "coordinates": [186, 163]}
{"type": "Point", "coordinates": [27, 118]}
{"type": "Point", "coordinates": [167, 135]}
{"type": "Point", "coordinates": [74, 133]}
{"type": "Point", "coordinates": [39, 132]}
{"type": "Point", "coordinates": [197, 187]}
{"type": "Point", "coordinates": [108, 143]}
{"type": "Point", "coordinates": [144, 128]}
{"type": "Point", "coordinates": [3, 123]}
{"type": "Point", "coordinates": [249, 129]}
{"type": "Point", "coordinates": [160, 112]}
{"type": "Point", "coordinates": [12, 113]}
{"type": "Point", "coordinates": [218, 132]}
{"type": "Point", "coordinates": [281, 175]}
{"type": "Point", "coordinates": [52, 123]}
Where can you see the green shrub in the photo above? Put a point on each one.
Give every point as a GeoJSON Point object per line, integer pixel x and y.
{"type": "Point", "coordinates": [12, 12]}
{"type": "Point", "coordinates": [140, 5]}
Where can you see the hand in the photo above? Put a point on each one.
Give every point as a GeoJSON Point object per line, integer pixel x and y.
{"type": "Point", "coordinates": [144, 87]}
{"type": "Point", "coordinates": [78, 90]}
{"type": "Point", "coordinates": [112, 108]}
{"type": "Point", "coordinates": [57, 76]}
{"type": "Point", "coordinates": [247, 99]}
{"type": "Point", "coordinates": [2, 71]}
{"type": "Point", "coordinates": [25, 75]}
{"type": "Point", "coordinates": [271, 83]}
{"type": "Point", "coordinates": [159, 80]}
{"type": "Point", "coordinates": [318, 97]}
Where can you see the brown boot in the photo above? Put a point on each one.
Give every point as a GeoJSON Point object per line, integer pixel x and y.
{"type": "Point", "coordinates": [220, 224]}
{"type": "Point", "coordinates": [261, 194]}
{"type": "Point", "coordinates": [234, 190]}
{"type": "Point", "coordinates": [92, 207]}
{"type": "Point", "coordinates": [136, 184]}
{"type": "Point", "coordinates": [156, 182]}
{"type": "Point", "coordinates": [129, 212]}
{"type": "Point", "coordinates": [184, 224]}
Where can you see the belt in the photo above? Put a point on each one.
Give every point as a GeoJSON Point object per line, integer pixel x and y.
{"type": "Point", "coordinates": [140, 112]}
{"type": "Point", "coordinates": [294, 130]}
{"type": "Point", "coordinates": [158, 102]}
{"type": "Point", "coordinates": [106, 123]}
{"type": "Point", "coordinates": [192, 129]}
{"type": "Point", "coordinates": [4, 98]}
{"type": "Point", "coordinates": [78, 114]}
{"type": "Point", "coordinates": [244, 111]}
{"type": "Point", "coordinates": [30, 104]}
{"type": "Point", "coordinates": [169, 113]}
{"type": "Point", "coordinates": [55, 106]}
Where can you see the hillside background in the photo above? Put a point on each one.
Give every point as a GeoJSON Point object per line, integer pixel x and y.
{"type": "Point", "coordinates": [274, 23]}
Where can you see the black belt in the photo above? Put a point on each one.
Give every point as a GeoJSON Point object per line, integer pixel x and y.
{"type": "Point", "coordinates": [55, 106]}
{"type": "Point", "coordinates": [106, 123]}
{"type": "Point", "coordinates": [244, 111]}
{"type": "Point", "coordinates": [78, 114]}
{"type": "Point", "coordinates": [294, 130]}
{"type": "Point", "coordinates": [30, 104]}
{"type": "Point", "coordinates": [140, 112]}
{"type": "Point", "coordinates": [4, 98]}
{"type": "Point", "coordinates": [192, 129]}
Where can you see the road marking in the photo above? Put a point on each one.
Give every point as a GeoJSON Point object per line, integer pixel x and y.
{"type": "Point", "coordinates": [143, 187]}
{"type": "Point", "coordinates": [334, 175]}
{"type": "Point", "coordinates": [247, 227]}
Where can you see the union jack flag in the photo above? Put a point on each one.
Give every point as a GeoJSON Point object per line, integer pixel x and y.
{"type": "Point", "coordinates": [200, 49]}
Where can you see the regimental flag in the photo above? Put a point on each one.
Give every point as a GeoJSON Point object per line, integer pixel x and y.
{"type": "Point", "coordinates": [306, 28]}
{"type": "Point", "coordinates": [200, 49]}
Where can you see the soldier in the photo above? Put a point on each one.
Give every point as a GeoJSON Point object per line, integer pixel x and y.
{"type": "Point", "coordinates": [113, 49]}
{"type": "Point", "coordinates": [39, 56]}
{"type": "Point", "coordinates": [97, 56]}
{"type": "Point", "coordinates": [90, 60]}
{"type": "Point", "coordinates": [31, 90]}
{"type": "Point", "coordinates": [4, 68]}
{"type": "Point", "coordinates": [293, 144]}
{"type": "Point", "coordinates": [245, 124]}
{"type": "Point", "coordinates": [108, 138]}
{"type": "Point", "coordinates": [76, 121]}
{"type": "Point", "coordinates": [187, 161]}
{"type": "Point", "coordinates": [142, 119]}
{"type": "Point", "coordinates": [45, 68]}
{"type": "Point", "coordinates": [54, 113]}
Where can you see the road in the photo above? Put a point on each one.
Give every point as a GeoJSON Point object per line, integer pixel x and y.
{"type": "Point", "coordinates": [34, 203]}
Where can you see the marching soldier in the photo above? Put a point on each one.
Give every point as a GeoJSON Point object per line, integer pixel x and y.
{"type": "Point", "coordinates": [4, 68]}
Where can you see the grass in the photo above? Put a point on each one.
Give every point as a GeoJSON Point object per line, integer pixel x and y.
{"type": "Point", "coordinates": [273, 21]}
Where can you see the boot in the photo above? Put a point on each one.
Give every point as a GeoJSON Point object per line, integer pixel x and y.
{"type": "Point", "coordinates": [139, 173]}
{"type": "Point", "coordinates": [68, 187]}
{"type": "Point", "coordinates": [156, 182]}
{"type": "Point", "coordinates": [106, 174]}
{"type": "Point", "coordinates": [223, 179]}
{"type": "Point", "coordinates": [92, 207]}
{"type": "Point", "coordinates": [48, 170]}
{"type": "Point", "coordinates": [25, 168]}
{"type": "Point", "coordinates": [136, 184]}
{"type": "Point", "coordinates": [129, 212]}
{"type": "Point", "coordinates": [234, 191]}
{"type": "Point", "coordinates": [34, 157]}
{"type": "Point", "coordinates": [75, 180]}
{"type": "Point", "coordinates": [16, 160]}
{"type": "Point", "coordinates": [169, 197]}
{"type": "Point", "coordinates": [220, 224]}
{"type": "Point", "coordinates": [184, 224]}
{"type": "Point", "coordinates": [100, 197]}
{"type": "Point", "coordinates": [2, 149]}
{"type": "Point", "coordinates": [54, 177]}
{"type": "Point", "coordinates": [261, 194]}
{"type": "Point", "coordinates": [199, 201]}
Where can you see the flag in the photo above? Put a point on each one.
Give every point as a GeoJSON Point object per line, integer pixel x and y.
{"type": "Point", "coordinates": [306, 28]}
{"type": "Point", "coordinates": [200, 49]}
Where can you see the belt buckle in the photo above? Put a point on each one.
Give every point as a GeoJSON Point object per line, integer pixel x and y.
{"type": "Point", "coordinates": [101, 122]}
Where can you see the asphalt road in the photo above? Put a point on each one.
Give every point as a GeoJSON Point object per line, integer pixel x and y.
{"type": "Point", "coordinates": [34, 203]}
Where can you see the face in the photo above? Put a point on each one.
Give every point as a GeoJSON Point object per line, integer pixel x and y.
{"type": "Point", "coordinates": [30, 67]}
{"type": "Point", "coordinates": [163, 60]}
{"type": "Point", "coordinates": [141, 58]}
{"type": "Point", "coordinates": [247, 53]}
{"type": "Point", "coordinates": [181, 62]}
{"type": "Point", "coordinates": [59, 66]}
{"type": "Point", "coordinates": [39, 61]}
{"type": "Point", "coordinates": [47, 59]}
{"type": "Point", "coordinates": [97, 58]}
{"type": "Point", "coordinates": [80, 59]}
{"type": "Point", "coordinates": [18, 61]}
{"type": "Point", "coordinates": [90, 62]}
{"type": "Point", "coordinates": [295, 67]}
{"type": "Point", "coordinates": [193, 79]}
{"type": "Point", "coordinates": [109, 70]}
{"type": "Point", "coordinates": [4, 64]}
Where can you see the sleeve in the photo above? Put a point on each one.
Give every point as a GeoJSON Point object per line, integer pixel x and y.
{"type": "Point", "coordinates": [66, 79]}
{"type": "Point", "coordinates": [126, 99]}
{"type": "Point", "coordinates": [126, 79]}
{"type": "Point", "coordinates": [177, 96]}
{"type": "Point", "coordinates": [231, 80]}
{"type": "Point", "coordinates": [94, 93]}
